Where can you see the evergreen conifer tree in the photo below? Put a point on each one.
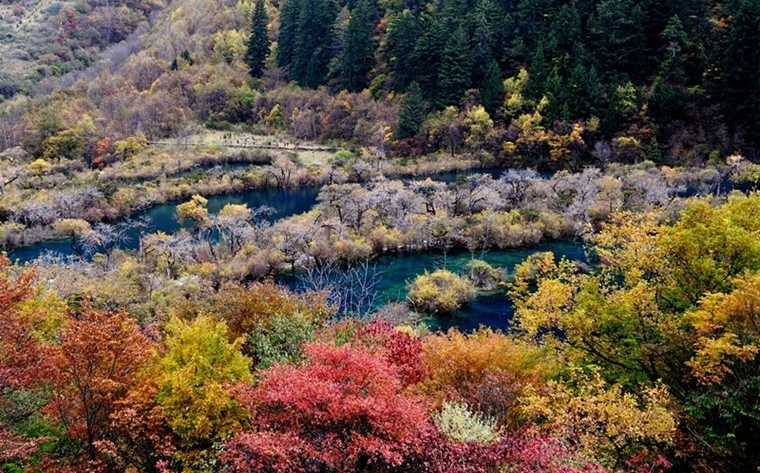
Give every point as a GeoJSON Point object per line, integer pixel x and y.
{"type": "Point", "coordinates": [311, 51]}
{"type": "Point", "coordinates": [668, 99]}
{"type": "Point", "coordinates": [584, 95]}
{"type": "Point", "coordinates": [739, 63]}
{"type": "Point", "coordinates": [186, 56]}
{"type": "Point", "coordinates": [258, 43]}
{"type": "Point", "coordinates": [454, 75]}
{"type": "Point", "coordinates": [539, 72]}
{"type": "Point", "coordinates": [532, 25]}
{"type": "Point", "coordinates": [426, 56]}
{"type": "Point", "coordinates": [411, 112]}
{"type": "Point", "coordinates": [556, 93]}
{"type": "Point", "coordinates": [399, 48]}
{"type": "Point", "coordinates": [286, 40]}
{"type": "Point", "coordinates": [492, 92]}
{"type": "Point", "coordinates": [358, 51]}
{"type": "Point", "coordinates": [481, 51]}
{"type": "Point", "coordinates": [617, 34]}
{"type": "Point", "coordinates": [564, 43]}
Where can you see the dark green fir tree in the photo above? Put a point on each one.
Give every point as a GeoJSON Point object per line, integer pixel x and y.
{"type": "Point", "coordinates": [454, 76]}
{"type": "Point", "coordinates": [358, 52]}
{"type": "Point", "coordinates": [286, 41]}
{"type": "Point", "coordinates": [186, 56]}
{"type": "Point", "coordinates": [539, 71]}
{"type": "Point", "coordinates": [399, 47]}
{"type": "Point", "coordinates": [312, 50]}
{"type": "Point", "coordinates": [584, 95]}
{"type": "Point", "coordinates": [669, 96]}
{"type": "Point", "coordinates": [492, 92]}
{"type": "Point", "coordinates": [616, 32]}
{"type": "Point", "coordinates": [426, 56]}
{"type": "Point", "coordinates": [738, 58]}
{"type": "Point", "coordinates": [411, 112]}
{"type": "Point", "coordinates": [258, 43]}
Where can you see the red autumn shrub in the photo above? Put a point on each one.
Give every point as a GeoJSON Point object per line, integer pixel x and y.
{"type": "Point", "coordinates": [401, 349]}
{"type": "Point", "coordinates": [343, 410]}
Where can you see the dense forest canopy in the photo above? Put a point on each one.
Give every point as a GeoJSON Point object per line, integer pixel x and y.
{"type": "Point", "coordinates": [561, 83]}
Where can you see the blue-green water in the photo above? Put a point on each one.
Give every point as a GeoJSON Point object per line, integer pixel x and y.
{"type": "Point", "coordinates": [286, 202]}
{"type": "Point", "coordinates": [493, 310]}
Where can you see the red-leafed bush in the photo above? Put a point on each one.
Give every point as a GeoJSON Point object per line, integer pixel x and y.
{"type": "Point", "coordinates": [343, 410]}
{"type": "Point", "coordinates": [531, 452]}
{"type": "Point", "coordinates": [401, 349]}
{"type": "Point", "coordinates": [22, 364]}
{"type": "Point", "coordinates": [16, 448]}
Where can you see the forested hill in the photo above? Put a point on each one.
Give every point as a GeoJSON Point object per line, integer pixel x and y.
{"type": "Point", "coordinates": [560, 83]}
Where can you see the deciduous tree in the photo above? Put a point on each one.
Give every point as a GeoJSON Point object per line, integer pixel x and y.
{"type": "Point", "coordinates": [195, 370]}
{"type": "Point", "coordinates": [96, 364]}
{"type": "Point", "coordinates": [440, 291]}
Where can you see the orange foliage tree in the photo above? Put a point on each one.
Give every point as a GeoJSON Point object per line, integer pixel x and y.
{"type": "Point", "coordinates": [485, 369]}
{"type": "Point", "coordinates": [274, 321]}
{"type": "Point", "coordinates": [23, 365]}
{"type": "Point", "coordinates": [96, 364]}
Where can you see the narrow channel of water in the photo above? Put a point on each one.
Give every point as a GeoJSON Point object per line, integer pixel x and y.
{"type": "Point", "coordinates": [286, 202]}
{"type": "Point", "coordinates": [163, 217]}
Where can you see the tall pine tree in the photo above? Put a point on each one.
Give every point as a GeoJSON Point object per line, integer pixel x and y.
{"type": "Point", "coordinates": [399, 48]}
{"type": "Point", "coordinates": [668, 101]}
{"type": "Point", "coordinates": [258, 43]}
{"type": "Point", "coordinates": [454, 75]}
{"type": "Point", "coordinates": [426, 56]}
{"type": "Point", "coordinates": [311, 51]}
{"type": "Point", "coordinates": [739, 63]}
{"type": "Point", "coordinates": [617, 35]}
{"type": "Point", "coordinates": [286, 41]}
{"type": "Point", "coordinates": [492, 91]}
{"type": "Point", "coordinates": [482, 51]}
{"type": "Point", "coordinates": [358, 51]}
{"type": "Point", "coordinates": [411, 112]}
{"type": "Point", "coordinates": [584, 96]}
{"type": "Point", "coordinates": [538, 74]}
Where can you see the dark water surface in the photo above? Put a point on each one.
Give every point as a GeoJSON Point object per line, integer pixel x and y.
{"type": "Point", "coordinates": [493, 310]}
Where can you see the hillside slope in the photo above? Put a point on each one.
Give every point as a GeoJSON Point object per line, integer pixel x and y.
{"type": "Point", "coordinates": [49, 38]}
{"type": "Point", "coordinates": [527, 83]}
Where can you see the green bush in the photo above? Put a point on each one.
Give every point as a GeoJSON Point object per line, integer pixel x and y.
{"type": "Point", "coordinates": [440, 292]}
